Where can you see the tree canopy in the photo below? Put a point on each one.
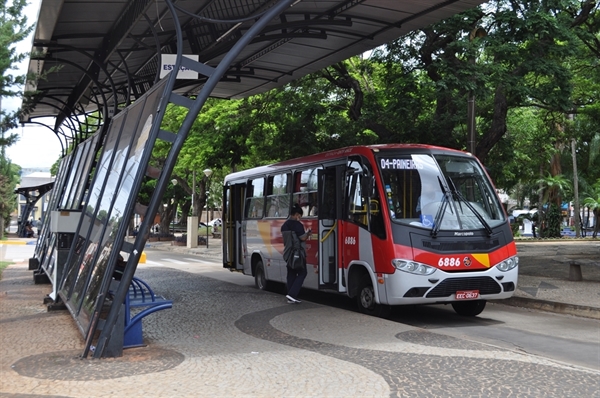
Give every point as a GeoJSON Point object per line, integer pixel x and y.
{"type": "Point", "coordinates": [13, 29]}
{"type": "Point", "coordinates": [532, 67]}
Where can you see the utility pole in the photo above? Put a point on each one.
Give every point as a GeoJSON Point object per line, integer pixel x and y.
{"type": "Point", "coordinates": [575, 189]}
{"type": "Point", "coordinates": [471, 127]}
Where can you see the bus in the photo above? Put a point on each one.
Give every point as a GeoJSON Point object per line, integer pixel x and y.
{"type": "Point", "coordinates": [396, 224]}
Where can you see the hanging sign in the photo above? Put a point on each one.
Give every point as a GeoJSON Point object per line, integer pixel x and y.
{"type": "Point", "coordinates": [167, 64]}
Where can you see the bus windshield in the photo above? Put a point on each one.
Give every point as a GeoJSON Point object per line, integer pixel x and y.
{"type": "Point", "coordinates": [439, 192]}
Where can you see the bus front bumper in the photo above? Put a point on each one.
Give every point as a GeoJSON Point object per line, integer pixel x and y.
{"type": "Point", "coordinates": [402, 288]}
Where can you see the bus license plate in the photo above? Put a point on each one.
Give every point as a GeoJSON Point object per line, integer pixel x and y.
{"type": "Point", "coordinates": [467, 294]}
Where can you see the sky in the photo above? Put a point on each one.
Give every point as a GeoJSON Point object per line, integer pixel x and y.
{"type": "Point", "coordinates": [38, 147]}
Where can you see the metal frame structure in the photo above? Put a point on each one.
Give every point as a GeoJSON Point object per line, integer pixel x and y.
{"type": "Point", "coordinates": [32, 195]}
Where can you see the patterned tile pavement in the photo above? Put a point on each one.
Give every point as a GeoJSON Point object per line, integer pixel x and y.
{"type": "Point", "coordinates": [226, 340]}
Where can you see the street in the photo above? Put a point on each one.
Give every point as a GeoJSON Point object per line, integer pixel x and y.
{"type": "Point", "coordinates": [568, 339]}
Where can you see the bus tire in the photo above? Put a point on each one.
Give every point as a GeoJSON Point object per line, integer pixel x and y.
{"type": "Point", "coordinates": [260, 278]}
{"type": "Point", "coordinates": [469, 308]}
{"type": "Point", "coordinates": [366, 300]}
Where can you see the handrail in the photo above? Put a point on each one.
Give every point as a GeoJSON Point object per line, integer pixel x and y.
{"type": "Point", "coordinates": [329, 233]}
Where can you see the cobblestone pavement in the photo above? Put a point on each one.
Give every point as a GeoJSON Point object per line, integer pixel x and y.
{"type": "Point", "coordinates": [226, 340]}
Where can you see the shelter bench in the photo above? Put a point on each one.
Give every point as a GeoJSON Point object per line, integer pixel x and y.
{"type": "Point", "coordinates": [142, 297]}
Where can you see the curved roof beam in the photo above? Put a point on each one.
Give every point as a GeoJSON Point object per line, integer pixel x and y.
{"type": "Point", "coordinates": [67, 105]}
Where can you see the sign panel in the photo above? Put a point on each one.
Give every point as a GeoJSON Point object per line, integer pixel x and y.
{"type": "Point", "coordinates": [167, 64]}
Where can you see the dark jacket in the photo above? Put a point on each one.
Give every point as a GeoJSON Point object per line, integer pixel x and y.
{"type": "Point", "coordinates": [291, 245]}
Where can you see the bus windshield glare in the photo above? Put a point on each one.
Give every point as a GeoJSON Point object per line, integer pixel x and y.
{"type": "Point", "coordinates": [439, 192]}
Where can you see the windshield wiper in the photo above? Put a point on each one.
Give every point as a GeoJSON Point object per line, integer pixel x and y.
{"type": "Point", "coordinates": [441, 210]}
{"type": "Point", "coordinates": [461, 198]}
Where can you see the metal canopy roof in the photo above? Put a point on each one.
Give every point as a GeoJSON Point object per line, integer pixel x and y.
{"type": "Point", "coordinates": [108, 48]}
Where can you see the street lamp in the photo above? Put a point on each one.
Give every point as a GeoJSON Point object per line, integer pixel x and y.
{"type": "Point", "coordinates": [164, 214]}
{"type": "Point", "coordinates": [207, 173]}
{"type": "Point", "coordinates": [174, 182]}
{"type": "Point", "coordinates": [475, 34]}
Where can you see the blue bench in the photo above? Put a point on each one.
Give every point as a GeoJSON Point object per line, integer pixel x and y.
{"type": "Point", "coordinates": [140, 296]}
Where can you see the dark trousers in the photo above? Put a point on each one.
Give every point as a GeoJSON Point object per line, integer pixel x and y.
{"type": "Point", "coordinates": [295, 279]}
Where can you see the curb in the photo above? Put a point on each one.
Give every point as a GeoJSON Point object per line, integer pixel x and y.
{"type": "Point", "coordinates": [185, 250]}
{"type": "Point", "coordinates": [552, 306]}
{"type": "Point", "coordinates": [14, 242]}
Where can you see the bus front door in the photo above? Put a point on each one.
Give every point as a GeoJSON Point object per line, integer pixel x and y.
{"type": "Point", "coordinates": [330, 195]}
{"type": "Point", "coordinates": [233, 247]}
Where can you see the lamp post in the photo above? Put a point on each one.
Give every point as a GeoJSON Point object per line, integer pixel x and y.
{"type": "Point", "coordinates": [475, 33]}
{"type": "Point", "coordinates": [165, 205]}
{"type": "Point", "coordinates": [174, 182]}
{"type": "Point", "coordinates": [207, 173]}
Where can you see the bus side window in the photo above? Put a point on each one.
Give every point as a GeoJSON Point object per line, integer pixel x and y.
{"type": "Point", "coordinates": [255, 200]}
{"type": "Point", "coordinates": [305, 191]}
{"type": "Point", "coordinates": [357, 199]}
{"type": "Point", "coordinates": [278, 197]}
{"type": "Point", "coordinates": [403, 190]}
{"type": "Point", "coordinates": [376, 224]}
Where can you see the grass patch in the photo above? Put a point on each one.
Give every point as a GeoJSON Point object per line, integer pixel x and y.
{"type": "Point", "coordinates": [3, 264]}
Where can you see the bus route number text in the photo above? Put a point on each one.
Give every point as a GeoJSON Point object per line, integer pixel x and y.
{"type": "Point", "coordinates": [449, 262]}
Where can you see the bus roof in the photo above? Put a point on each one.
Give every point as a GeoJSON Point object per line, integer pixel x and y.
{"type": "Point", "coordinates": [321, 157]}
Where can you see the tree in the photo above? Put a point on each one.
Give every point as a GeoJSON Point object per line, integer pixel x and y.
{"type": "Point", "coordinates": [9, 174]}
{"type": "Point", "coordinates": [593, 203]}
{"type": "Point", "coordinates": [553, 188]}
{"type": "Point", "coordinates": [537, 65]}
{"type": "Point", "coordinates": [13, 29]}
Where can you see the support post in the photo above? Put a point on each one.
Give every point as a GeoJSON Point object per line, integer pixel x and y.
{"type": "Point", "coordinates": [192, 232]}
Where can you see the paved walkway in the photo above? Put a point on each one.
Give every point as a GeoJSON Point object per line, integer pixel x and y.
{"type": "Point", "coordinates": [226, 340]}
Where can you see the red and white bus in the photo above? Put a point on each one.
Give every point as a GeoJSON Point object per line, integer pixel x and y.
{"type": "Point", "coordinates": [392, 225]}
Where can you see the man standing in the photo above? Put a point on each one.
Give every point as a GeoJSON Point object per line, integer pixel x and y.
{"type": "Point", "coordinates": [294, 236]}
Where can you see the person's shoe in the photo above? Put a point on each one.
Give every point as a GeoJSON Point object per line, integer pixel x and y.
{"type": "Point", "coordinates": [292, 300]}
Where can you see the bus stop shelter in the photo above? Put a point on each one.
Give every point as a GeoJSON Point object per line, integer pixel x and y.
{"type": "Point", "coordinates": [106, 76]}
{"type": "Point", "coordinates": [31, 191]}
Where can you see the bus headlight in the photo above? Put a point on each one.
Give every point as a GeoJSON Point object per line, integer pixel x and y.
{"type": "Point", "coordinates": [508, 264]}
{"type": "Point", "coordinates": [412, 267]}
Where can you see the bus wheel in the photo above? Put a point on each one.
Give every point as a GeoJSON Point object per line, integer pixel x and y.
{"type": "Point", "coordinates": [469, 308]}
{"type": "Point", "coordinates": [260, 279]}
{"type": "Point", "coordinates": [366, 300]}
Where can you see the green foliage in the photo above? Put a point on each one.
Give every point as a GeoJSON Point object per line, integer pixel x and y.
{"type": "Point", "coordinates": [13, 29]}
{"type": "Point", "coordinates": [3, 265]}
{"type": "Point", "coordinates": [9, 176]}
{"type": "Point", "coordinates": [593, 199]}
{"type": "Point", "coordinates": [552, 222]}
{"type": "Point", "coordinates": [554, 188]}
{"type": "Point", "coordinates": [536, 65]}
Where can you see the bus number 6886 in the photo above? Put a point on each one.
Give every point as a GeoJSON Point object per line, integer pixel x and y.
{"type": "Point", "coordinates": [449, 262]}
